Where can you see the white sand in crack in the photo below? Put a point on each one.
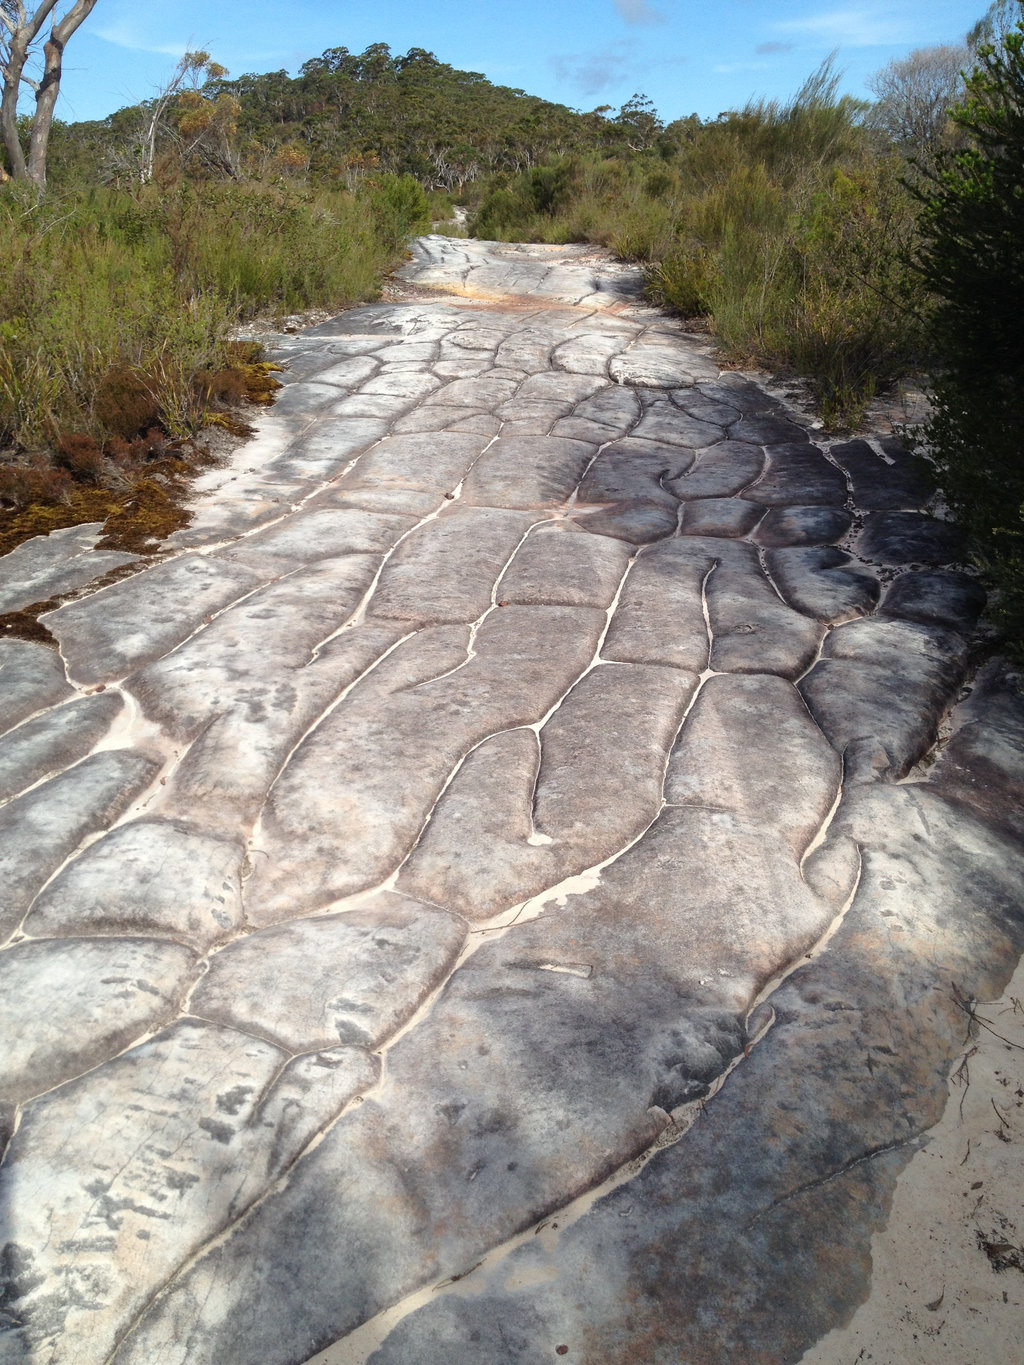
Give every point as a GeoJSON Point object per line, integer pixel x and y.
{"type": "Point", "coordinates": [936, 1296]}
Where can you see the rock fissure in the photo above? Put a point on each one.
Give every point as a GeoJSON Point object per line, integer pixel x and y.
{"type": "Point", "coordinates": [541, 768]}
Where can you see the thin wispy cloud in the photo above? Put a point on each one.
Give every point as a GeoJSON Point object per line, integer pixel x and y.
{"type": "Point", "coordinates": [771, 49]}
{"type": "Point", "coordinates": [122, 35]}
{"type": "Point", "coordinates": [639, 12]}
{"type": "Point", "coordinates": [867, 27]}
{"type": "Point", "coordinates": [594, 72]}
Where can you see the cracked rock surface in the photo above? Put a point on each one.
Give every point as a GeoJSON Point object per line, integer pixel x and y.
{"type": "Point", "coordinates": [491, 887]}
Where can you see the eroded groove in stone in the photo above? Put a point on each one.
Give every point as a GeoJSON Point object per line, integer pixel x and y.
{"type": "Point", "coordinates": [504, 728]}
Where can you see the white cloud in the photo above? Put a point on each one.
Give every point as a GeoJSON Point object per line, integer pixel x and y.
{"type": "Point", "coordinates": [639, 12]}
{"type": "Point", "coordinates": [849, 28]}
{"type": "Point", "coordinates": [123, 35]}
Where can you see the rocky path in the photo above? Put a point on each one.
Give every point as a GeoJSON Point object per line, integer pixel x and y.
{"type": "Point", "coordinates": [507, 881]}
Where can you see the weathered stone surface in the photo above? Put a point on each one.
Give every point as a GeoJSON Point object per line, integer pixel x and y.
{"type": "Point", "coordinates": [31, 679]}
{"type": "Point", "coordinates": [522, 815]}
{"type": "Point", "coordinates": [448, 569]}
{"type": "Point", "coordinates": [752, 630]}
{"type": "Point", "coordinates": [321, 533]}
{"type": "Point", "coordinates": [634, 470]}
{"type": "Point", "coordinates": [302, 398]}
{"type": "Point", "coordinates": [603, 756]}
{"type": "Point", "coordinates": [46, 566]}
{"type": "Point", "coordinates": [148, 877]}
{"type": "Point", "coordinates": [424, 462]}
{"type": "Point", "coordinates": [588, 354]}
{"type": "Point", "coordinates": [750, 747]}
{"type": "Point", "coordinates": [704, 408]}
{"type": "Point", "coordinates": [323, 451]}
{"type": "Point", "coordinates": [353, 978]}
{"type": "Point", "coordinates": [556, 566]}
{"type": "Point", "coordinates": [653, 367]}
{"type": "Point", "coordinates": [766, 429]}
{"type": "Point", "coordinates": [557, 1040]}
{"type": "Point", "coordinates": [802, 526]}
{"type": "Point", "coordinates": [895, 482]}
{"type": "Point", "coordinates": [370, 773]}
{"type": "Point", "coordinates": [724, 470]}
{"type": "Point", "coordinates": [665, 421]}
{"type": "Point", "coordinates": [527, 472]}
{"type": "Point", "coordinates": [42, 747]}
{"type": "Point", "coordinates": [908, 538]}
{"type": "Point", "coordinates": [983, 763]}
{"type": "Point", "coordinates": [70, 1004]}
{"type": "Point", "coordinates": [566, 390]}
{"type": "Point", "coordinates": [612, 406]}
{"type": "Point", "coordinates": [255, 651]}
{"type": "Point", "coordinates": [880, 689]}
{"type": "Point", "coordinates": [485, 391]}
{"type": "Point", "coordinates": [941, 597]}
{"type": "Point", "coordinates": [507, 759]}
{"type": "Point", "coordinates": [719, 517]}
{"type": "Point", "coordinates": [222, 780]}
{"type": "Point", "coordinates": [660, 616]}
{"type": "Point", "coordinates": [39, 830]}
{"type": "Point", "coordinates": [815, 1135]}
{"type": "Point", "coordinates": [127, 1172]}
{"type": "Point", "coordinates": [404, 384]}
{"type": "Point", "coordinates": [107, 635]}
{"type": "Point", "coordinates": [797, 473]}
{"type": "Point", "coordinates": [823, 582]}
{"type": "Point", "coordinates": [639, 521]}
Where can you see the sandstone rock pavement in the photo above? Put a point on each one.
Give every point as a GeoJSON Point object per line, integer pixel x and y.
{"type": "Point", "coordinates": [502, 883]}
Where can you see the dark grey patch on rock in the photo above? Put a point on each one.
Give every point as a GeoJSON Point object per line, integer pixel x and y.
{"type": "Point", "coordinates": [802, 526]}
{"type": "Point", "coordinates": [823, 582]}
{"type": "Point", "coordinates": [798, 474]}
{"type": "Point", "coordinates": [880, 689]}
{"type": "Point", "coordinates": [879, 485]}
{"type": "Point", "coordinates": [766, 431]}
{"type": "Point", "coordinates": [942, 597]}
{"type": "Point", "coordinates": [909, 538]}
{"type": "Point", "coordinates": [720, 472]}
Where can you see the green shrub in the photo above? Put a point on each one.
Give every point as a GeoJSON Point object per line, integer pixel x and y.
{"type": "Point", "coordinates": [107, 292]}
{"type": "Point", "coordinates": [972, 261]}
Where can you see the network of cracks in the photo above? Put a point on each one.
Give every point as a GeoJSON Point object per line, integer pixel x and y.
{"type": "Point", "coordinates": [534, 727]}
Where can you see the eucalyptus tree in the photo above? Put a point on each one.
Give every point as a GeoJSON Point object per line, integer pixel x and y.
{"type": "Point", "coordinates": [21, 30]}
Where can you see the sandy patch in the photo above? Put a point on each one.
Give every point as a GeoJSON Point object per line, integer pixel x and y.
{"type": "Point", "coordinates": [948, 1279]}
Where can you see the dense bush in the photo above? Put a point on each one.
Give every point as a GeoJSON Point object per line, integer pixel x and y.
{"type": "Point", "coordinates": [113, 303]}
{"type": "Point", "coordinates": [972, 262]}
{"type": "Point", "coordinates": [786, 225]}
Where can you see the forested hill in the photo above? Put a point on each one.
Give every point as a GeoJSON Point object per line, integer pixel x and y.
{"type": "Point", "coordinates": [405, 113]}
{"type": "Point", "coordinates": [348, 112]}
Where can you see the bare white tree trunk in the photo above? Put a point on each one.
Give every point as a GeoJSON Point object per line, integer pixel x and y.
{"type": "Point", "coordinates": [19, 30]}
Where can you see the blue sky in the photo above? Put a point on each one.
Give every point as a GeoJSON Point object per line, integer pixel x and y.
{"type": "Point", "coordinates": [700, 56]}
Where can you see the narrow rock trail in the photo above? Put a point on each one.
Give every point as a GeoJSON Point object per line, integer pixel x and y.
{"type": "Point", "coordinates": [493, 887]}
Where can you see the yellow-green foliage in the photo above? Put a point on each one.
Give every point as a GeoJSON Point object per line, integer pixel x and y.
{"type": "Point", "coordinates": [101, 284]}
{"type": "Point", "coordinates": [782, 224]}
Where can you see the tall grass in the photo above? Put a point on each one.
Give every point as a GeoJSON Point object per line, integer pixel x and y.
{"type": "Point", "coordinates": [783, 224]}
{"type": "Point", "coordinates": [108, 294]}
